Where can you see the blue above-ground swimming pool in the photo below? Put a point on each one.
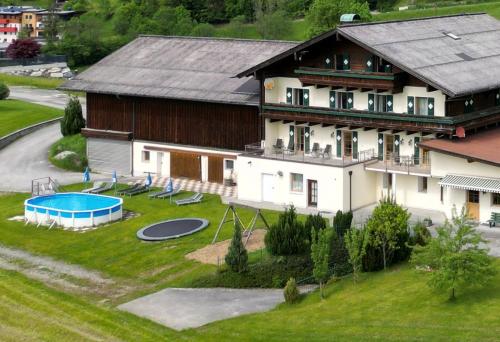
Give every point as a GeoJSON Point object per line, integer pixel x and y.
{"type": "Point", "coordinates": [73, 209]}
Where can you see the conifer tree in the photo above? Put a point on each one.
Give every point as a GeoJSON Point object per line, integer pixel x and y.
{"type": "Point", "coordinates": [237, 257]}
{"type": "Point", "coordinates": [73, 121]}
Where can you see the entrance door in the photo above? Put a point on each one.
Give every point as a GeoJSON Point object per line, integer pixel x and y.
{"type": "Point", "coordinates": [347, 144]}
{"type": "Point", "coordinates": [159, 163]}
{"type": "Point", "coordinates": [312, 193]}
{"type": "Point", "coordinates": [473, 204]}
{"type": "Point", "coordinates": [267, 187]}
{"type": "Point", "coordinates": [299, 139]}
{"type": "Point", "coordinates": [389, 146]}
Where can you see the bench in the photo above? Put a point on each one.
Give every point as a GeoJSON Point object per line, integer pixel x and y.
{"type": "Point", "coordinates": [494, 220]}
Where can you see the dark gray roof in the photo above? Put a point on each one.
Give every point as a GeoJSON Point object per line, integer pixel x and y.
{"type": "Point", "coordinates": [426, 48]}
{"type": "Point", "coordinates": [182, 68]}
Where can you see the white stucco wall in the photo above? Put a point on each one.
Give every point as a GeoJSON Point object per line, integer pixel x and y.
{"type": "Point", "coordinates": [319, 97]}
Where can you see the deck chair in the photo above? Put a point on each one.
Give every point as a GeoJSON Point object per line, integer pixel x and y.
{"type": "Point", "coordinates": [279, 145]}
{"type": "Point", "coordinates": [160, 193]}
{"type": "Point", "coordinates": [105, 187]}
{"type": "Point", "coordinates": [139, 190]}
{"type": "Point", "coordinates": [172, 193]}
{"type": "Point", "coordinates": [315, 150]}
{"type": "Point", "coordinates": [291, 147]}
{"type": "Point", "coordinates": [130, 188]}
{"type": "Point", "coordinates": [196, 198]}
{"type": "Point", "coordinates": [327, 152]}
{"type": "Point", "coordinates": [96, 186]}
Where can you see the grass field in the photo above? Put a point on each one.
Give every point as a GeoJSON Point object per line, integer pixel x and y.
{"type": "Point", "coordinates": [75, 143]}
{"type": "Point", "coordinates": [390, 306]}
{"type": "Point", "coordinates": [16, 114]}
{"type": "Point", "coordinates": [115, 249]}
{"type": "Point", "coordinates": [37, 82]}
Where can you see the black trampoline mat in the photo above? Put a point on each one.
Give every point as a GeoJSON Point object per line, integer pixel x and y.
{"type": "Point", "coordinates": [171, 229]}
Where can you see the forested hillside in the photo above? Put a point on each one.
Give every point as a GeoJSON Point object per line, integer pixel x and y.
{"type": "Point", "coordinates": [108, 24]}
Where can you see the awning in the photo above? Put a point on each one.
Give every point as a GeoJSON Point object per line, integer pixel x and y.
{"type": "Point", "coordinates": [471, 183]}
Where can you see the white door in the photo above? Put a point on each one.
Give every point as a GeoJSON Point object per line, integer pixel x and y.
{"type": "Point", "coordinates": [267, 187]}
{"type": "Point", "coordinates": [159, 164]}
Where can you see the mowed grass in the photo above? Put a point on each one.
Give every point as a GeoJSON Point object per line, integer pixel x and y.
{"type": "Point", "coordinates": [16, 114]}
{"type": "Point", "coordinates": [36, 82]}
{"type": "Point", "coordinates": [115, 249]}
{"type": "Point", "coordinates": [395, 305]}
{"type": "Point", "coordinates": [74, 143]}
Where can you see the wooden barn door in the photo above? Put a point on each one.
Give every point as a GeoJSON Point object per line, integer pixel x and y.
{"type": "Point", "coordinates": [186, 165]}
{"type": "Point", "coordinates": [215, 169]}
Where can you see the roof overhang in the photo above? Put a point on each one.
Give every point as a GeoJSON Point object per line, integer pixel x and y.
{"type": "Point", "coordinates": [483, 184]}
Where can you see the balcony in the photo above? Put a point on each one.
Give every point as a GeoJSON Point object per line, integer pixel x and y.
{"type": "Point", "coordinates": [351, 79]}
{"type": "Point", "coordinates": [394, 163]}
{"type": "Point", "coordinates": [320, 157]}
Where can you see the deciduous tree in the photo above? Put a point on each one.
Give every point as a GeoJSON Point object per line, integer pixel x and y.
{"type": "Point", "coordinates": [355, 242]}
{"type": "Point", "coordinates": [23, 48]}
{"type": "Point", "coordinates": [455, 257]}
{"type": "Point", "coordinates": [320, 254]}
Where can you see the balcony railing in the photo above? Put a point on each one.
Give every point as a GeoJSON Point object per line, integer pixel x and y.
{"type": "Point", "coordinates": [321, 156]}
{"type": "Point", "coordinates": [409, 164]}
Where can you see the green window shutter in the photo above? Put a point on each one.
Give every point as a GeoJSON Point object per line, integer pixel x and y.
{"type": "Point", "coordinates": [306, 97]}
{"type": "Point", "coordinates": [497, 98]}
{"type": "Point", "coordinates": [369, 64]}
{"type": "Point", "coordinates": [411, 105]}
{"type": "Point", "coordinates": [346, 62]}
{"type": "Point", "coordinates": [469, 105]}
{"type": "Point", "coordinates": [307, 139]}
{"type": "Point", "coordinates": [291, 141]}
{"type": "Point", "coordinates": [333, 99]}
{"type": "Point", "coordinates": [328, 62]}
{"type": "Point", "coordinates": [380, 144]}
{"type": "Point", "coordinates": [390, 103]}
{"type": "Point", "coordinates": [430, 106]}
{"type": "Point", "coordinates": [355, 145]}
{"type": "Point", "coordinates": [350, 100]}
{"type": "Point", "coordinates": [339, 143]}
{"type": "Point", "coordinates": [288, 95]}
{"type": "Point", "coordinates": [396, 144]}
{"type": "Point", "coordinates": [387, 68]}
{"type": "Point", "coordinates": [371, 102]}
{"type": "Point", "coordinates": [416, 151]}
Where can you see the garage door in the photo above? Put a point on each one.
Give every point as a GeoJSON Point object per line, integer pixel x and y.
{"type": "Point", "coordinates": [215, 169]}
{"type": "Point", "coordinates": [106, 155]}
{"type": "Point", "coordinates": [186, 165]}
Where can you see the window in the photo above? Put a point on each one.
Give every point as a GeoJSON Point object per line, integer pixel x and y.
{"type": "Point", "coordinates": [298, 97]}
{"type": "Point", "coordinates": [145, 156]}
{"type": "Point", "coordinates": [341, 100]}
{"type": "Point", "coordinates": [424, 106]}
{"type": "Point", "coordinates": [383, 103]}
{"type": "Point", "coordinates": [422, 184]}
{"type": "Point", "coordinates": [228, 164]}
{"type": "Point", "coordinates": [495, 199]}
{"type": "Point", "coordinates": [387, 180]}
{"type": "Point", "coordinates": [296, 182]}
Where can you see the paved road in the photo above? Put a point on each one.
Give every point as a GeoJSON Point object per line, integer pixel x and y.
{"type": "Point", "coordinates": [26, 158]}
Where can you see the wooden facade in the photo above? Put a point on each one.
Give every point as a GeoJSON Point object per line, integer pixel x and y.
{"type": "Point", "coordinates": [199, 124]}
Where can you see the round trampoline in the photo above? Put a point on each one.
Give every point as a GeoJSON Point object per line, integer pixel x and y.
{"type": "Point", "coordinates": [172, 229]}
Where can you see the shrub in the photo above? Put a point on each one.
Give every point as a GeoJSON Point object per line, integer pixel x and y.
{"type": "Point", "coordinates": [339, 256]}
{"type": "Point", "coordinates": [23, 48]}
{"type": "Point", "coordinates": [315, 221]}
{"type": "Point", "coordinates": [4, 91]}
{"type": "Point", "coordinates": [291, 292]}
{"type": "Point", "coordinates": [342, 222]}
{"type": "Point", "coordinates": [388, 235]}
{"type": "Point", "coordinates": [288, 236]}
{"type": "Point", "coordinates": [237, 257]}
{"type": "Point", "coordinates": [268, 273]}
{"type": "Point", "coordinates": [73, 121]}
{"type": "Point", "coordinates": [356, 241]}
{"type": "Point", "coordinates": [421, 234]}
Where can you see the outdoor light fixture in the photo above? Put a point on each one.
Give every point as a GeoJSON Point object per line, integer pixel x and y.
{"type": "Point", "coordinates": [332, 135]}
{"type": "Point", "coordinates": [280, 173]}
{"type": "Point", "coordinates": [402, 140]}
{"type": "Point", "coordinates": [312, 133]}
{"type": "Point", "coordinates": [410, 142]}
{"type": "Point", "coordinates": [250, 163]}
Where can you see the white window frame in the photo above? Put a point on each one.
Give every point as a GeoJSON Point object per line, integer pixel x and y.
{"type": "Point", "coordinates": [298, 96]}
{"type": "Point", "coordinates": [296, 185]}
{"type": "Point", "coordinates": [144, 154]}
{"type": "Point", "coordinates": [225, 164]}
{"type": "Point", "coordinates": [417, 105]}
{"type": "Point", "coordinates": [423, 184]}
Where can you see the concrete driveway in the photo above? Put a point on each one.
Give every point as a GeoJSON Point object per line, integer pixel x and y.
{"type": "Point", "coordinates": [26, 158]}
{"type": "Point", "coordinates": [191, 308]}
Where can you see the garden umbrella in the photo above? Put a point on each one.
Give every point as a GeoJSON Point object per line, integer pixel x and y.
{"type": "Point", "coordinates": [86, 175]}
{"type": "Point", "coordinates": [149, 180]}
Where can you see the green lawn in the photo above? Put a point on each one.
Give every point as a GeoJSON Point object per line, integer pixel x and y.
{"type": "Point", "coordinates": [75, 143]}
{"type": "Point", "coordinates": [16, 114]}
{"type": "Point", "coordinates": [37, 82]}
{"type": "Point", "coordinates": [115, 249]}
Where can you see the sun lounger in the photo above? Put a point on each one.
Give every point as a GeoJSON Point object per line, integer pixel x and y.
{"type": "Point", "coordinates": [96, 186]}
{"type": "Point", "coordinates": [105, 187]}
{"type": "Point", "coordinates": [139, 190]}
{"type": "Point", "coordinates": [165, 191]}
{"type": "Point", "coordinates": [129, 189]}
{"type": "Point", "coordinates": [196, 198]}
{"type": "Point", "coordinates": [172, 193]}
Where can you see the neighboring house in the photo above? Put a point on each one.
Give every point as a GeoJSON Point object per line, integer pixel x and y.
{"type": "Point", "coordinates": [373, 109]}
{"type": "Point", "coordinates": [10, 23]}
{"type": "Point", "coordinates": [172, 106]}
